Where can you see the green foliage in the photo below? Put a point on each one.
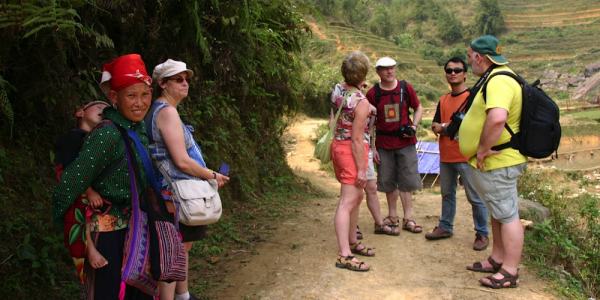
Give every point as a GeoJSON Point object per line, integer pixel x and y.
{"type": "Point", "coordinates": [247, 80]}
{"type": "Point", "coordinates": [5, 106]}
{"type": "Point", "coordinates": [422, 10]}
{"type": "Point", "coordinates": [564, 247]}
{"type": "Point", "coordinates": [449, 28]}
{"type": "Point", "coordinates": [489, 19]}
{"type": "Point", "coordinates": [580, 130]}
{"type": "Point", "coordinates": [34, 16]}
{"type": "Point", "coordinates": [326, 7]}
{"type": "Point", "coordinates": [431, 52]}
{"type": "Point", "coordinates": [511, 40]}
{"type": "Point", "coordinates": [381, 24]}
{"type": "Point", "coordinates": [404, 40]}
{"type": "Point", "coordinates": [458, 51]}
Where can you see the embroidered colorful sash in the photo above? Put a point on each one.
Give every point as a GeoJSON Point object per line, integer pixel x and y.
{"type": "Point", "coordinates": [136, 253]}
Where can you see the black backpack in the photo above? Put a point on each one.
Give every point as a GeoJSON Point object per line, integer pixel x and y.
{"type": "Point", "coordinates": [540, 128]}
{"type": "Point", "coordinates": [403, 95]}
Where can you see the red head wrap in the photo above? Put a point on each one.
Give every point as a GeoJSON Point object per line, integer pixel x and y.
{"type": "Point", "coordinates": [122, 72]}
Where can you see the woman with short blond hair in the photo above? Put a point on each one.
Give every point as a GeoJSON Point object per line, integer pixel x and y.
{"type": "Point", "coordinates": [350, 155]}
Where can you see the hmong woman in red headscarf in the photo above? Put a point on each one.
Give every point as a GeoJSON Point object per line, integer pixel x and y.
{"type": "Point", "coordinates": [127, 85]}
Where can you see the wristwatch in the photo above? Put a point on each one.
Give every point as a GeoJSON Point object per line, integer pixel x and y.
{"type": "Point", "coordinates": [215, 174]}
{"type": "Point", "coordinates": [443, 125]}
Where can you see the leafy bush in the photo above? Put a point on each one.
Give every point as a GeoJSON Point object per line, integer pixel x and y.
{"type": "Point", "coordinates": [566, 247]}
{"type": "Point", "coordinates": [449, 28]}
{"type": "Point", "coordinates": [404, 40]}
{"type": "Point", "coordinates": [381, 24]}
{"type": "Point", "coordinates": [458, 51]}
{"type": "Point", "coordinates": [247, 78]}
{"type": "Point", "coordinates": [422, 10]}
{"type": "Point", "coordinates": [489, 19]}
{"type": "Point", "coordinates": [434, 53]}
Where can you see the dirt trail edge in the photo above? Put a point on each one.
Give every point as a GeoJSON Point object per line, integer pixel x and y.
{"type": "Point", "coordinates": [298, 260]}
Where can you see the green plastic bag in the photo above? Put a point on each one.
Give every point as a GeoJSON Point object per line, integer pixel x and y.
{"type": "Point", "coordinates": [323, 147]}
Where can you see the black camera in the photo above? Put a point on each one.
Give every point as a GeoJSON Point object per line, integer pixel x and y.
{"type": "Point", "coordinates": [408, 130]}
{"type": "Point", "coordinates": [454, 125]}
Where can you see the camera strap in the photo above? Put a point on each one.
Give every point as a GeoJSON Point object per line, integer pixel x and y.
{"type": "Point", "coordinates": [477, 87]}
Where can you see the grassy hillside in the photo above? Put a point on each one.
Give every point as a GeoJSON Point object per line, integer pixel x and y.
{"type": "Point", "coordinates": [536, 37]}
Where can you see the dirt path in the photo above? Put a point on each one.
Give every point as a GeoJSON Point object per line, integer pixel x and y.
{"type": "Point", "coordinates": [296, 261]}
{"type": "Point", "coordinates": [315, 29]}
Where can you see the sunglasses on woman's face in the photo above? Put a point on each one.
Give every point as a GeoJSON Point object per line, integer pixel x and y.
{"type": "Point", "coordinates": [364, 86]}
{"type": "Point", "coordinates": [455, 70]}
{"type": "Point", "coordinates": [180, 80]}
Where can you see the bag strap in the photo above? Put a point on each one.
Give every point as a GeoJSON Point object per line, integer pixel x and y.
{"type": "Point", "coordinates": [521, 81]}
{"type": "Point", "coordinates": [377, 94]}
{"type": "Point", "coordinates": [402, 91]}
{"type": "Point", "coordinates": [153, 215]}
{"type": "Point", "coordinates": [136, 215]}
{"type": "Point", "coordinates": [339, 110]}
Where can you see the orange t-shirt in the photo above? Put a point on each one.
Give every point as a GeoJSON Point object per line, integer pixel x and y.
{"type": "Point", "coordinates": [449, 150]}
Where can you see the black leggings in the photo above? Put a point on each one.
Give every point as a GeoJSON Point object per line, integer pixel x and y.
{"type": "Point", "coordinates": [107, 280]}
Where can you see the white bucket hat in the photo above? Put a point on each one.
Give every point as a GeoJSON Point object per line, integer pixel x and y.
{"type": "Point", "coordinates": [385, 62]}
{"type": "Point", "coordinates": [170, 68]}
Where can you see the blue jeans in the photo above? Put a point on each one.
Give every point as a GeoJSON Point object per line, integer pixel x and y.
{"type": "Point", "coordinates": [448, 181]}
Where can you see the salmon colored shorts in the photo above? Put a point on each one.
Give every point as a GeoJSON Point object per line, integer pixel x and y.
{"type": "Point", "coordinates": [343, 161]}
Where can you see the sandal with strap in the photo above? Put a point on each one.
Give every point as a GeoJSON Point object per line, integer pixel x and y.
{"type": "Point", "coordinates": [391, 221]}
{"type": "Point", "coordinates": [364, 251]}
{"type": "Point", "coordinates": [412, 228]}
{"type": "Point", "coordinates": [359, 235]}
{"type": "Point", "coordinates": [348, 263]}
{"type": "Point", "coordinates": [499, 283]}
{"type": "Point", "coordinates": [478, 267]}
{"type": "Point", "coordinates": [380, 229]}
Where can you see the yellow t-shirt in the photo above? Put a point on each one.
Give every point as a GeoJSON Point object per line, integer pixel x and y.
{"type": "Point", "coordinates": [502, 92]}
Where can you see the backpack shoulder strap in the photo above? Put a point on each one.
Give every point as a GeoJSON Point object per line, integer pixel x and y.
{"type": "Point", "coordinates": [516, 77]}
{"type": "Point", "coordinates": [377, 94]}
{"type": "Point", "coordinates": [404, 93]}
{"type": "Point", "coordinates": [521, 81]}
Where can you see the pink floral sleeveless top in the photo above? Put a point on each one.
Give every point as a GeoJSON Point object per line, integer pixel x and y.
{"type": "Point", "coordinates": [343, 127]}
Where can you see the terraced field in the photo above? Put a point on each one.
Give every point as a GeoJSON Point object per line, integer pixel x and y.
{"type": "Point", "coordinates": [525, 14]}
{"type": "Point", "coordinates": [540, 35]}
{"type": "Point", "coordinates": [550, 30]}
{"type": "Point", "coordinates": [425, 75]}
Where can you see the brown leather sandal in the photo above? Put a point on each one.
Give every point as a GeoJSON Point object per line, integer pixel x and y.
{"type": "Point", "coordinates": [478, 267]}
{"type": "Point", "coordinates": [364, 251]}
{"type": "Point", "coordinates": [359, 235]}
{"type": "Point", "coordinates": [380, 229]}
{"type": "Point", "coordinates": [412, 228]}
{"type": "Point", "coordinates": [348, 263]}
{"type": "Point", "coordinates": [391, 221]}
{"type": "Point", "coordinates": [499, 283]}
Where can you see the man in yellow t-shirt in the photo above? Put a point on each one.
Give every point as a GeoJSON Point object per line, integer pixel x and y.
{"type": "Point", "coordinates": [495, 173]}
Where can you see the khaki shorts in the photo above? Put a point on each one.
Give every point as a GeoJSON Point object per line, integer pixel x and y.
{"type": "Point", "coordinates": [498, 190]}
{"type": "Point", "coordinates": [370, 167]}
{"type": "Point", "coordinates": [398, 170]}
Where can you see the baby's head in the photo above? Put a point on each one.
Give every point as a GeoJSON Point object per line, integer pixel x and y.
{"type": "Point", "coordinates": [90, 115]}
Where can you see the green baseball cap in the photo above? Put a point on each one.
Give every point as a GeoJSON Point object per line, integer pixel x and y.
{"type": "Point", "coordinates": [491, 47]}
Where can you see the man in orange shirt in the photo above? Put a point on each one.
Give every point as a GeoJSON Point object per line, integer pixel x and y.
{"type": "Point", "coordinates": [452, 162]}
